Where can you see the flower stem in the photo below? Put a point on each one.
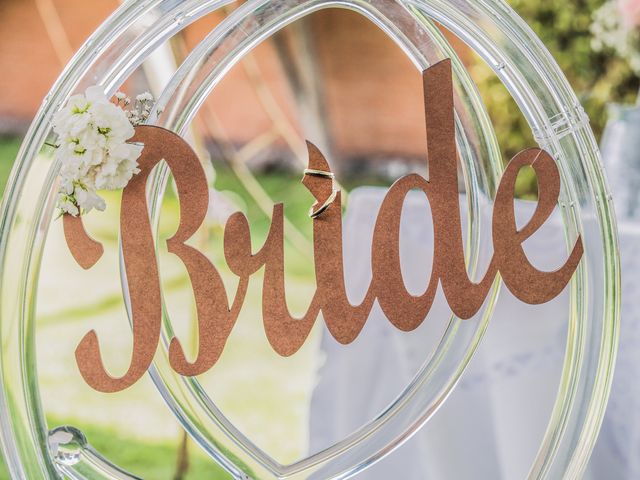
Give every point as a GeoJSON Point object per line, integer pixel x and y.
{"type": "Point", "coordinates": [52, 145]}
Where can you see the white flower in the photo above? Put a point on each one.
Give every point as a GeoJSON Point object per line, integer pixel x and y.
{"type": "Point", "coordinates": [93, 149]}
{"type": "Point", "coordinates": [89, 199]}
{"type": "Point", "coordinates": [142, 110]}
{"type": "Point", "coordinates": [66, 187]}
{"type": "Point", "coordinates": [119, 168]}
{"type": "Point", "coordinates": [615, 29]}
{"type": "Point", "coordinates": [73, 119]}
{"type": "Point", "coordinates": [112, 124]}
{"type": "Point", "coordinates": [66, 205]}
{"type": "Point", "coordinates": [145, 97]}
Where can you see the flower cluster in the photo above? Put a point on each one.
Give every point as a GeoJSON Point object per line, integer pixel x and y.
{"type": "Point", "coordinates": [141, 109]}
{"type": "Point", "coordinates": [630, 12]}
{"type": "Point", "coordinates": [616, 27]}
{"type": "Point", "coordinates": [93, 148]}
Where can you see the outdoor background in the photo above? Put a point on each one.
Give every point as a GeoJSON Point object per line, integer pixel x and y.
{"type": "Point", "coordinates": [253, 155]}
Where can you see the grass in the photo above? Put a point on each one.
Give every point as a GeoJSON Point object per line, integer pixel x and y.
{"type": "Point", "coordinates": [8, 150]}
{"type": "Point", "coordinates": [148, 460]}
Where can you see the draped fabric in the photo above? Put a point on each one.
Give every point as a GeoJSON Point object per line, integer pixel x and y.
{"type": "Point", "coordinates": [493, 422]}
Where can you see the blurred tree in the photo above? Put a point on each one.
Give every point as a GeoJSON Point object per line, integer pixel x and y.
{"type": "Point", "coordinates": [598, 78]}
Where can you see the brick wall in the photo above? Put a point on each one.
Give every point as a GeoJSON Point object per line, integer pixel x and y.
{"type": "Point", "coordinates": [371, 92]}
{"type": "Point", "coordinates": [28, 60]}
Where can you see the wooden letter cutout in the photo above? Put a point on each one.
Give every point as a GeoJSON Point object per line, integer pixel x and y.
{"type": "Point", "coordinates": [286, 334]}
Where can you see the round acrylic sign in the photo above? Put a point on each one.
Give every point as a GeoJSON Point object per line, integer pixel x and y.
{"type": "Point", "coordinates": [34, 449]}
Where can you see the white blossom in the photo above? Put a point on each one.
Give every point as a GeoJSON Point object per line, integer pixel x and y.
{"type": "Point", "coordinates": [93, 149]}
{"type": "Point", "coordinates": [615, 28]}
{"type": "Point", "coordinates": [119, 167]}
{"type": "Point", "coordinates": [88, 199]}
{"type": "Point", "coordinates": [145, 97]}
{"type": "Point", "coordinates": [67, 205]}
{"type": "Point", "coordinates": [112, 124]}
{"type": "Point", "coordinates": [141, 110]}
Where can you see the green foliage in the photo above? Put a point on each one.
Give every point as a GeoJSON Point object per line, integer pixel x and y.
{"type": "Point", "coordinates": [597, 77]}
{"type": "Point", "coordinates": [8, 150]}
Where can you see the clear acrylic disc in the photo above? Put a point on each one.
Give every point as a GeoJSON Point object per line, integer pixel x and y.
{"type": "Point", "coordinates": [526, 69]}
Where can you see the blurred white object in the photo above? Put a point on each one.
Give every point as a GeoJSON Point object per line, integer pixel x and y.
{"type": "Point", "coordinates": [493, 422]}
{"type": "Point", "coordinates": [620, 148]}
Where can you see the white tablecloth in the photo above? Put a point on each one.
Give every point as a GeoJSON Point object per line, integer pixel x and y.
{"type": "Point", "coordinates": [492, 424]}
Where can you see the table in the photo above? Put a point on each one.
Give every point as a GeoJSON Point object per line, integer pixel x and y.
{"type": "Point", "coordinates": [493, 422]}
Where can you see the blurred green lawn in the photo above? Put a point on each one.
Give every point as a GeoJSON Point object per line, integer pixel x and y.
{"type": "Point", "coordinates": [8, 150]}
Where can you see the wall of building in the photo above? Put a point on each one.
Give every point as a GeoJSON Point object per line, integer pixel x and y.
{"type": "Point", "coordinates": [371, 94]}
